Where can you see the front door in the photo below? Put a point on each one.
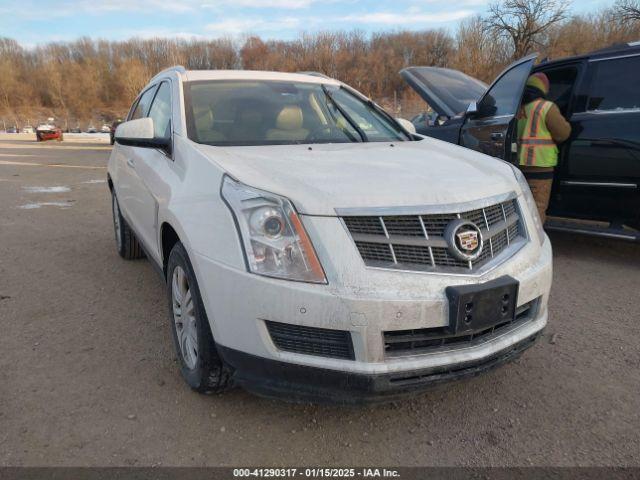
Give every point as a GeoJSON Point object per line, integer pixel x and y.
{"type": "Point", "coordinates": [492, 129]}
{"type": "Point", "coordinates": [128, 181]}
{"type": "Point", "coordinates": [148, 165]}
{"type": "Point", "coordinates": [598, 175]}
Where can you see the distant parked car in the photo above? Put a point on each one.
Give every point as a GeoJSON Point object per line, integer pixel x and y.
{"type": "Point", "coordinates": [112, 130]}
{"type": "Point", "coordinates": [91, 129]}
{"type": "Point", "coordinates": [28, 129]}
{"type": "Point", "coordinates": [48, 131]}
{"type": "Point", "coordinates": [12, 130]}
{"type": "Point", "coordinates": [106, 128]}
{"type": "Point", "coordinates": [75, 130]}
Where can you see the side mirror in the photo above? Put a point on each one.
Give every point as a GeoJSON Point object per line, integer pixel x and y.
{"type": "Point", "coordinates": [407, 125]}
{"type": "Point", "coordinates": [472, 109]}
{"type": "Point", "coordinates": [140, 133]}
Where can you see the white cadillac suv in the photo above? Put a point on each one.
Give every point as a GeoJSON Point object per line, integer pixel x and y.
{"type": "Point", "coordinates": [315, 249]}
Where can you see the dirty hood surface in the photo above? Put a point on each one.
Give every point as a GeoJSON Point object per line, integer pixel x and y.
{"type": "Point", "coordinates": [365, 175]}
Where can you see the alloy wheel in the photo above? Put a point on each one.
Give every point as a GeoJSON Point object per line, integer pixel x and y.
{"type": "Point", "coordinates": [184, 317]}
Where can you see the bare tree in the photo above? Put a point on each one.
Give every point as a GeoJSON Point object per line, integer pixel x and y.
{"type": "Point", "coordinates": [525, 21]}
{"type": "Point", "coordinates": [88, 79]}
{"type": "Point", "coordinates": [628, 9]}
{"type": "Point", "coordinates": [477, 52]}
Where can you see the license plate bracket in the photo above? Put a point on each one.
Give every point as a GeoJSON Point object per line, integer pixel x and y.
{"type": "Point", "coordinates": [477, 307]}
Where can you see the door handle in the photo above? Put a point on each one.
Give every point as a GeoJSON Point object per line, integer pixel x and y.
{"type": "Point", "coordinates": [131, 163]}
{"type": "Point", "coordinates": [497, 136]}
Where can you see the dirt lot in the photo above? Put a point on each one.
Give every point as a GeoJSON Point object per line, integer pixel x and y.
{"type": "Point", "coordinates": [88, 376]}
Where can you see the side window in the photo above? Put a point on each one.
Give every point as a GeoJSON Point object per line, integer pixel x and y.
{"type": "Point", "coordinates": [504, 97]}
{"type": "Point", "coordinates": [143, 104]}
{"type": "Point", "coordinates": [614, 85]}
{"type": "Point", "coordinates": [561, 82]}
{"type": "Point", "coordinates": [161, 111]}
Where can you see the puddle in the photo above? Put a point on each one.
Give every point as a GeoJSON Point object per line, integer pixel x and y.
{"type": "Point", "coordinates": [31, 206]}
{"type": "Point", "coordinates": [56, 189]}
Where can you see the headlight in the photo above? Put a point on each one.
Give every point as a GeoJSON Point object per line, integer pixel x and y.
{"type": "Point", "coordinates": [274, 239]}
{"type": "Point", "coordinates": [531, 204]}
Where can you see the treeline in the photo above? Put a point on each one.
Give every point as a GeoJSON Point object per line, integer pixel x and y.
{"type": "Point", "coordinates": [89, 79]}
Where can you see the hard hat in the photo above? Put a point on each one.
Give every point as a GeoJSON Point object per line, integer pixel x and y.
{"type": "Point", "coordinates": [540, 81]}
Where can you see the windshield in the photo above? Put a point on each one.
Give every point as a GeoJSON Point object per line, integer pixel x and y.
{"type": "Point", "coordinates": [236, 113]}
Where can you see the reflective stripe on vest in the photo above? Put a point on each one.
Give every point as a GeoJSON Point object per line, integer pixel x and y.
{"type": "Point", "coordinates": [537, 148]}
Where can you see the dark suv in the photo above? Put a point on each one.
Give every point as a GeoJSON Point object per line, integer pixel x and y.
{"type": "Point", "coordinates": [598, 173]}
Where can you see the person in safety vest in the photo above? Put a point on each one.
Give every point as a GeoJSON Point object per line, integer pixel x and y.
{"type": "Point", "coordinates": [541, 127]}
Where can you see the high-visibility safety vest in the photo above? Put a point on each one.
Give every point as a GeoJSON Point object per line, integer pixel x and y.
{"type": "Point", "coordinates": [536, 148]}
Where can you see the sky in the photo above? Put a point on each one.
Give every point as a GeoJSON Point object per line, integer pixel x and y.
{"type": "Point", "coordinates": [33, 22]}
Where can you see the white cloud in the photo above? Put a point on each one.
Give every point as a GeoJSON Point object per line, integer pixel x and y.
{"type": "Point", "coordinates": [236, 26]}
{"type": "Point", "coordinates": [283, 4]}
{"type": "Point", "coordinates": [409, 18]}
{"type": "Point", "coordinates": [32, 10]}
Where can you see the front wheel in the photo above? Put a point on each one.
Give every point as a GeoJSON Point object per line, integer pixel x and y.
{"type": "Point", "coordinates": [200, 365]}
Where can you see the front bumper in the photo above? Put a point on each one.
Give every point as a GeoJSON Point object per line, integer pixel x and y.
{"type": "Point", "coordinates": [239, 304]}
{"type": "Point", "coordinates": [275, 379]}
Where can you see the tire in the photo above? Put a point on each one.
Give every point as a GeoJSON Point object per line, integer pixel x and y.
{"type": "Point", "coordinates": [200, 366]}
{"type": "Point", "coordinates": [126, 242]}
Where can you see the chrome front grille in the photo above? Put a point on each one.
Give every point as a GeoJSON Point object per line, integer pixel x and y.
{"type": "Point", "coordinates": [417, 242]}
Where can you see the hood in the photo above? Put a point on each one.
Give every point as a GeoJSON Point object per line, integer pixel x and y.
{"type": "Point", "coordinates": [357, 175]}
{"type": "Point", "coordinates": [448, 92]}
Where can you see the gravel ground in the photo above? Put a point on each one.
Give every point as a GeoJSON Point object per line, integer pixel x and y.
{"type": "Point", "coordinates": [88, 376]}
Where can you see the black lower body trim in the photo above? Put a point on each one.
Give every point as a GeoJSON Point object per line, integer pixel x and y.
{"type": "Point", "coordinates": [275, 379]}
{"type": "Point", "coordinates": [538, 173]}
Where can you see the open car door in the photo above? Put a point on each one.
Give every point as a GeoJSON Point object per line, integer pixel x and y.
{"type": "Point", "coordinates": [490, 126]}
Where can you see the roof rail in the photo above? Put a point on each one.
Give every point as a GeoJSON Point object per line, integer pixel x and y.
{"type": "Point", "coordinates": [175, 68]}
{"type": "Point", "coordinates": [315, 74]}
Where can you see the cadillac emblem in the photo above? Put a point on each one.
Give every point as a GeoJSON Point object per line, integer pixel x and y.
{"type": "Point", "coordinates": [468, 240]}
{"type": "Point", "coordinates": [464, 239]}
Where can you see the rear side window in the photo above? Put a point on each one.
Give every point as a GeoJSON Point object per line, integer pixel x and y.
{"type": "Point", "coordinates": [561, 81]}
{"type": "Point", "coordinates": [142, 107]}
{"type": "Point", "coordinates": [614, 85]}
{"type": "Point", "coordinates": [161, 112]}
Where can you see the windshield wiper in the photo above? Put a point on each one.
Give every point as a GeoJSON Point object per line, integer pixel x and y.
{"type": "Point", "coordinates": [374, 106]}
{"type": "Point", "coordinates": [355, 126]}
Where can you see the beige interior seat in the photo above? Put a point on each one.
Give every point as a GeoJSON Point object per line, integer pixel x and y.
{"type": "Point", "coordinates": [248, 124]}
{"type": "Point", "coordinates": [203, 119]}
{"type": "Point", "coordinates": [288, 126]}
